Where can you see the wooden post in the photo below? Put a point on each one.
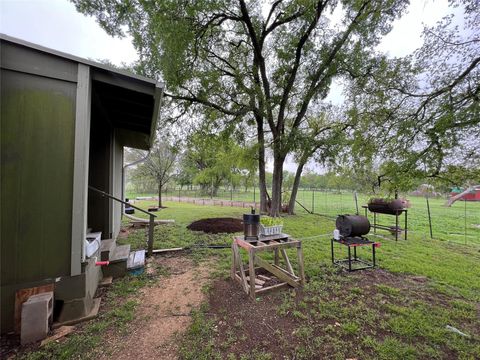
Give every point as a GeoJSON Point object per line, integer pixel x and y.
{"type": "Point", "coordinates": [300, 264]}
{"type": "Point", "coordinates": [150, 235]}
{"type": "Point", "coordinates": [356, 202]}
{"type": "Point", "coordinates": [234, 262]}
{"type": "Point", "coordinates": [251, 273]}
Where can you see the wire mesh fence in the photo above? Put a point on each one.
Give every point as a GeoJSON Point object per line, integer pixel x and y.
{"type": "Point", "coordinates": [459, 223]}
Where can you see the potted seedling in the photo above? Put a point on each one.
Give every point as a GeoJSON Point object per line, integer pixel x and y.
{"type": "Point", "coordinates": [271, 225]}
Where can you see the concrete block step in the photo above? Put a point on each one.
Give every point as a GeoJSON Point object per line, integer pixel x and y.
{"type": "Point", "coordinates": [136, 260]}
{"type": "Point", "coordinates": [120, 254]}
{"type": "Point", "coordinates": [106, 281]}
{"type": "Point", "coordinates": [107, 247]}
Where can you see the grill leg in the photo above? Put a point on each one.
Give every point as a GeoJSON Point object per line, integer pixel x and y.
{"type": "Point", "coordinates": [349, 259]}
{"type": "Point", "coordinates": [333, 259]}
{"type": "Point", "coordinates": [406, 223]}
{"type": "Point", "coordinates": [355, 253]}
{"type": "Point", "coordinates": [373, 254]}
{"type": "Point", "coordinates": [396, 226]}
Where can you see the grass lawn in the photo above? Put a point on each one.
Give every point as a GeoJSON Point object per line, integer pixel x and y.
{"type": "Point", "coordinates": [398, 311]}
{"type": "Point", "coordinates": [400, 321]}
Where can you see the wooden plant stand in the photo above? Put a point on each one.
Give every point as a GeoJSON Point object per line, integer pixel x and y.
{"type": "Point", "coordinates": [252, 285]}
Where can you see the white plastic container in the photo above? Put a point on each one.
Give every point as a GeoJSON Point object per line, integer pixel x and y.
{"type": "Point", "coordinates": [336, 234]}
{"type": "Point", "coordinates": [270, 230]}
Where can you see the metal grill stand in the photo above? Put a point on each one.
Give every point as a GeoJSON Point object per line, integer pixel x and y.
{"type": "Point", "coordinates": [354, 242]}
{"type": "Point", "coordinates": [397, 228]}
{"type": "Point", "coordinates": [276, 243]}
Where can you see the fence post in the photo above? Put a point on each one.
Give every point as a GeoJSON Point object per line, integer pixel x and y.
{"type": "Point", "coordinates": [356, 200]}
{"type": "Point", "coordinates": [465, 201]}
{"type": "Point", "coordinates": [429, 217]}
{"type": "Point", "coordinates": [313, 200]}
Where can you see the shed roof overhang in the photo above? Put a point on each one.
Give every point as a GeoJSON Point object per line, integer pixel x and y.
{"type": "Point", "coordinates": [130, 105]}
{"type": "Point", "coordinates": [130, 102]}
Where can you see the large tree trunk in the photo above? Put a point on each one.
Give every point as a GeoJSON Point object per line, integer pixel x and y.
{"type": "Point", "coordinates": [261, 167]}
{"type": "Point", "coordinates": [277, 184]}
{"type": "Point", "coordinates": [160, 195]}
{"type": "Point", "coordinates": [215, 186]}
{"type": "Point", "coordinates": [296, 184]}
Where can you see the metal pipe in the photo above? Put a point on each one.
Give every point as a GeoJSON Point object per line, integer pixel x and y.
{"type": "Point", "coordinates": [103, 193]}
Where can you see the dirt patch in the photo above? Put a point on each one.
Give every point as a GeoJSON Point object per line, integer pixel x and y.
{"type": "Point", "coordinates": [125, 231]}
{"type": "Point", "coordinates": [313, 323]}
{"type": "Point", "coordinates": [163, 311]}
{"type": "Point", "coordinates": [256, 323]}
{"type": "Point", "coordinates": [217, 225]}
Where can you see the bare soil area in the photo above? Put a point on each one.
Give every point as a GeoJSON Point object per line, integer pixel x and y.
{"type": "Point", "coordinates": [217, 225]}
{"type": "Point", "coordinates": [164, 311]}
{"type": "Point", "coordinates": [286, 323]}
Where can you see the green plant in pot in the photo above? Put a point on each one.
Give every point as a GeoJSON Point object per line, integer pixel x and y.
{"type": "Point", "coordinates": [268, 221]}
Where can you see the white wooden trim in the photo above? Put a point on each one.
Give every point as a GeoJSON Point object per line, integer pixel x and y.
{"type": "Point", "coordinates": [80, 169]}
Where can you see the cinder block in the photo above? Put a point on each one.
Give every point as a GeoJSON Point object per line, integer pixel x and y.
{"type": "Point", "coordinates": [37, 314]}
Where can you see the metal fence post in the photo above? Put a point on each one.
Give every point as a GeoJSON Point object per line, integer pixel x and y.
{"type": "Point", "coordinates": [465, 201]}
{"type": "Point", "coordinates": [313, 201]}
{"type": "Point", "coordinates": [429, 217]}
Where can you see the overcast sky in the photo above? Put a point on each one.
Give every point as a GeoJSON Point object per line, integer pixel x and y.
{"type": "Point", "coordinates": [57, 25]}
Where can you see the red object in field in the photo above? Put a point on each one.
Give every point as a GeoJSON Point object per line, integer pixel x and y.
{"type": "Point", "coordinates": [102, 263]}
{"type": "Point", "coordinates": [473, 195]}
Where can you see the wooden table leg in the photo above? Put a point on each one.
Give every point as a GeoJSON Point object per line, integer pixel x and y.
{"type": "Point", "coordinates": [251, 273]}
{"type": "Point", "coordinates": [301, 268]}
{"type": "Point", "coordinates": [241, 270]}
{"type": "Point", "coordinates": [277, 258]}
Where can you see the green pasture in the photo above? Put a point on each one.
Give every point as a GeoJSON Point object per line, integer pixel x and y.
{"type": "Point", "coordinates": [451, 266]}
{"type": "Point", "coordinates": [459, 223]}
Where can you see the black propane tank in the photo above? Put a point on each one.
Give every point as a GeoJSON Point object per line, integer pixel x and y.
{"type": "Point", "coordinates": [352, 225]}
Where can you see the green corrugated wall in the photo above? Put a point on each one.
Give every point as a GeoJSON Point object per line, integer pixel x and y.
{"type": "Point", "coordinates": [37, 143]}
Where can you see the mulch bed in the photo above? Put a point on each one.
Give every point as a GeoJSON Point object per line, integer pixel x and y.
{"type": "Point", "coordinates": [217, 225]}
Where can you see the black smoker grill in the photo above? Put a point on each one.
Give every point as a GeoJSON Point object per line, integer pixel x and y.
{"type": "Point", "coordinates": [351, 231]}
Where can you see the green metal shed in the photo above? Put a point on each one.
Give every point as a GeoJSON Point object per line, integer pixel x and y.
{"type": "Point", "coordinates": [64, 123]}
